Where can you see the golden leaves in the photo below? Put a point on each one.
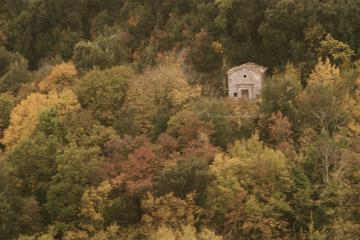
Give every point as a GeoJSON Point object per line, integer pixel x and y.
{"type": "Point", "coordinates": [324, 72]}
{"type": "Point", "coordinates": [61, 75]}
{"type": "Point", "coordinates": [156, 89]}
{"type": "Point", "coordinates": [25, 116]}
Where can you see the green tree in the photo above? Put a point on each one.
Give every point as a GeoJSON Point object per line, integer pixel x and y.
{"type": "Point", "coordinates": [106, 51]}
{"type": "Point", "coordinates": [16, 76]}
{"type": "Point", "coordinates": [183, 177]}
{"type": "Point", "coordinates": [204, 56]}
{"type": "Point", "coordinates": [46, 28]}
{"type": "Point", "coordinates": [124, 211]}
{"type": "Point", "coordinates": [7, 103]}
{"type": "Point", "coordinates": [257, 181]}
{"type": "Point", "coordinates": [10, 202]}
{"type": "Point", "coordinates": [88, 55]}
{"type": "Point", "coordinates": [231, 119]}
{"type": "Point", "coordinates": [338, 52]}
{"type": "Point", "coordinates": [13, 71]}
{"type": "Point", "coordinates": [33, 163]}
{"type": "Point", "coordinates": [279, 94]}
{"type": "Point", "coordinates": [104, 92]}
{"type": "Point", "coordinates": [77, 169]}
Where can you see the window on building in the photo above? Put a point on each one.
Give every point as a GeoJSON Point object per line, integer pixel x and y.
{"type": "Point", "coordinates": [244, 93]}
{"type": "Point", "coordinates": [235, 94]}
{"type": "Point", "coordinates": [245, 76]}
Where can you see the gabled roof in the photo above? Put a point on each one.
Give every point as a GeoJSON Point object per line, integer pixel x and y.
{"type": "Point", "coordinates": [250, 66]}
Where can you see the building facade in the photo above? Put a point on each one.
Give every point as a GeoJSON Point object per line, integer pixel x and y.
{"type": "Point", "coordinates": [246, 80]}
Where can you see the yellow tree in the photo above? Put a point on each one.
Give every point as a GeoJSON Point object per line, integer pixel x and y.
{"type": "Point", "coordinates": [351, 104]}
{"type": "Point", "coordinates": [168, 210]}
{"type": "Point", "coordinates": [25, 116]}
{"type": "Point", "coordinates": [323, 103]}
{"type": "Point", "coordinates": [61, 75]}
{"type": "Point", "coordinates": [171, 218]}
{"type": "Point", "coordinates": [94, 201]}
{"type": "Point", "coordinates": [184, 233]}
{"type": "Point", "coordinates": [342, 90]}
{"type": "Point", "coordinates": [325, 72]}
{"type": "Point", "coordinates": [157, 94]}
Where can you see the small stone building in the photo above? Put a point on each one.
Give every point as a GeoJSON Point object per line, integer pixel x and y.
{"type": "Point", "coordinates": [246, 80]}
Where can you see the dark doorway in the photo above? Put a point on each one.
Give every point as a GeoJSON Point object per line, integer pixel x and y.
{"type": "Point", "coordinates": [244, 93]}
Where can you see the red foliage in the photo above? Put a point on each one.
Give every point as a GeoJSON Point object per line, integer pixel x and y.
{"type": "Point", "coordinates": [118, 151]}
{"type": "Point", "coordinates": [138, 171]}
{"type": "Point", "coordinates": [168, 145]}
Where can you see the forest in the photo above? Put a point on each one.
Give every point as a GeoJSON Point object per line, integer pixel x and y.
{"type": "Point", "coordinates": [115, 122]}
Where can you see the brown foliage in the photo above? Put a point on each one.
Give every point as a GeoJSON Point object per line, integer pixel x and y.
{"type": "Point", "coordinates": [280, 131]}
{"type": "Point", "coordinates": [187, 127]}
{"type": "Point", "coordinates": [138, 171]}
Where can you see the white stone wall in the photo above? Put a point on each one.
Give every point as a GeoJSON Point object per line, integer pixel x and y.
{"type": "Point", "coordinates": [237, 81]}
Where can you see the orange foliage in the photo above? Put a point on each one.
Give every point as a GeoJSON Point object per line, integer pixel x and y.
{"type": "Point", "coordinates": [138, 171]}
{"type": "Point", "coordinates": [61, 75]}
